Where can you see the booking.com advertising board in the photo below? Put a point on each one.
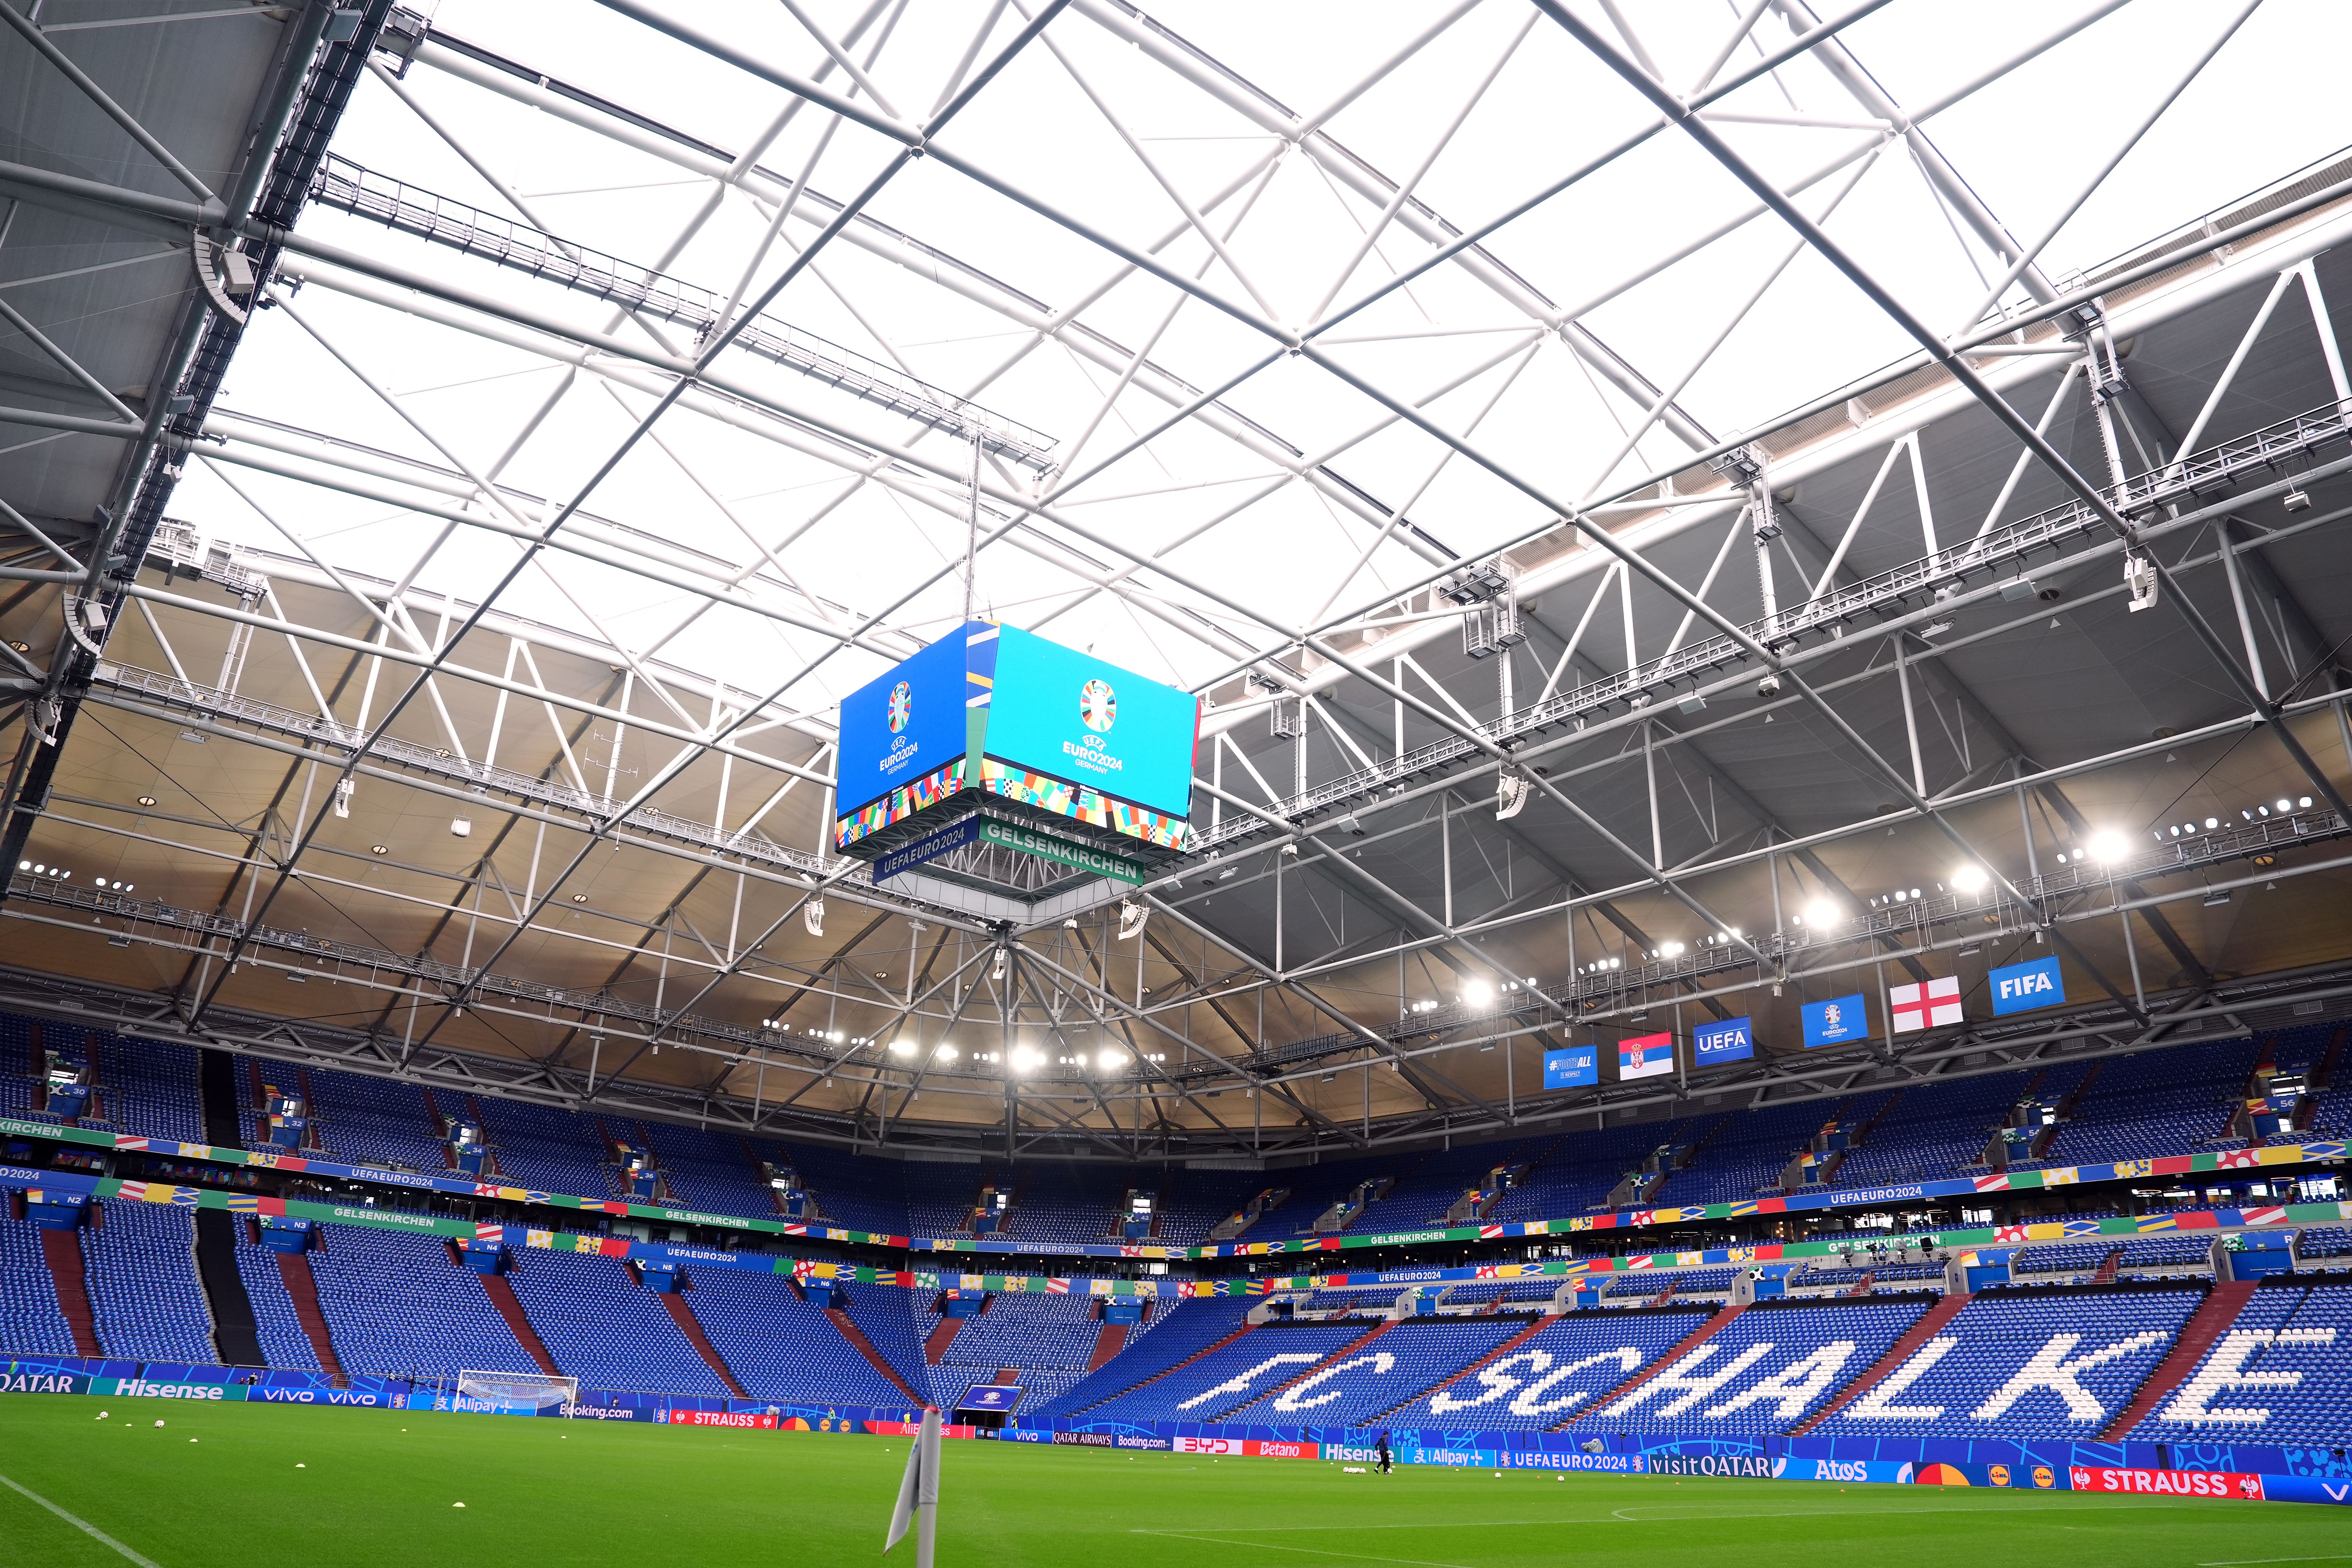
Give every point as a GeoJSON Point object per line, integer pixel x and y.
{"type": "Point", "coordinates": [1020, 717]}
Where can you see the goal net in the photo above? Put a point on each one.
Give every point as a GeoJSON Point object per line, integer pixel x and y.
{"type": "Point", "coordinates": [530, 1390]}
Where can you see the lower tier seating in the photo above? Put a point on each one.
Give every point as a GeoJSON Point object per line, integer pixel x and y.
{"type": "Point", "coordinates": [2014, 1364]}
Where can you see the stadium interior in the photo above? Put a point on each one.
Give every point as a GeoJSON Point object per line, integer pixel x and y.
{"type": "Point", "coordinates": [1611, 736]}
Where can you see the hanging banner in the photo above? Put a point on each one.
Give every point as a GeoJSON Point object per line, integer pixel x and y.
{"type": "Point", "coordinates": [1931, 1006]}
{"type": "Point", "coordinates": [1732, 1040]}
{"type": "Point", "coordinates": [2021, 988]}
{"type": "Point", "coordinates": [1840, 1021]}
{"type": "Point", "coordinates": [1645, 1056]}
{"type": "Point", "coordinates": [1570, 1069]}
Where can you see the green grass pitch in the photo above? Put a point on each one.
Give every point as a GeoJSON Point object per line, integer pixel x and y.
{"type": "Point", "coordinates": [233, 1486]}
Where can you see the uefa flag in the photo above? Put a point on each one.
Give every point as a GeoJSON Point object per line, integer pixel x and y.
{"type": "Point", "coordinates": [1927, 1006]}
{"type": "Point", "coordinates": [1645, 1056]}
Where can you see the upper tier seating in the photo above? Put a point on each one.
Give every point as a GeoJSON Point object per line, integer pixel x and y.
{"type": "Point", "coordinates": [360, 1119]}
{"type": "Point", "coordinates": [2282, 1373]}
{"type": "Point", "coordinates": [2014, 1365]}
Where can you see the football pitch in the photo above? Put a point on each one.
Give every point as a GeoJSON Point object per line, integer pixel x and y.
{"type": "Point", "coordinates": [229, 1486]}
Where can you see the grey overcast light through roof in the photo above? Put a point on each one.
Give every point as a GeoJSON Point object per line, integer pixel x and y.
{"type": "Point", "coordinates": [1493, 107]}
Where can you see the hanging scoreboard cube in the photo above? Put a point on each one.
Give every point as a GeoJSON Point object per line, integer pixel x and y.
{"type": "Point", "coordinates": [1005, 762]}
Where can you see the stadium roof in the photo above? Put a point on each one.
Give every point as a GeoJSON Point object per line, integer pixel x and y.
{"type": "Point", "coordinates": [608, 409]}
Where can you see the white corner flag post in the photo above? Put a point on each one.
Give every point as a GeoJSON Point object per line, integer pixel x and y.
{"type": "Point", "coordinates": [918, 1493]}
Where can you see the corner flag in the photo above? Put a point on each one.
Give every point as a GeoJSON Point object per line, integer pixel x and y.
{"type": "Point", "coordinates": [918, 1493]}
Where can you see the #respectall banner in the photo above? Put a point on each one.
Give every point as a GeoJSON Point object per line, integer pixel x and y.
{"type": "Point", "coordinates": [1571, 1067]}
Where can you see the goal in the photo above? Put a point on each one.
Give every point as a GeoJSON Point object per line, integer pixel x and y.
{"type": "Point", "coordinates": [527, 1390]}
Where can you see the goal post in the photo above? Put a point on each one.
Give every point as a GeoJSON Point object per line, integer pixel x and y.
{"type": "Point", "coordinates": [515, 1391]}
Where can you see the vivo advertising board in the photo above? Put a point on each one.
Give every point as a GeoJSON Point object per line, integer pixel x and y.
{"type": "Point", "coordinates": [1056, 711]}
{"type": "Point", "coordinates": [1732, 1040]}
{"type": "Point", "coordinates": [902, 724]}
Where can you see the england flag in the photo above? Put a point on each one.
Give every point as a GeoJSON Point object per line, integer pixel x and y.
{"type": "Point", "coordinates": [1928, 1006]}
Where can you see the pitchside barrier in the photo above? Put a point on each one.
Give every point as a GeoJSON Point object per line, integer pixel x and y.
{"type": "Point", "coordinates": [2238, 1471]}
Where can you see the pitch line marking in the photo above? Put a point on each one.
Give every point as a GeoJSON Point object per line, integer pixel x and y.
{"type": "Point", "coordinates": [1310, 1550]}
{"type": "Point", "coordinates": [81, 1524]}
{"type": "Point", "coordinates": [2248, 1562]}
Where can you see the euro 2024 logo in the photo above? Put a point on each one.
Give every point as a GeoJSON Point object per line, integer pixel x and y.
{"type": "Point", "coordinates": [902, 706]}
{"type": "Point", "coordinates": [1832, 1018]}
{"type": "Point", "coordinates": [1098, 705]}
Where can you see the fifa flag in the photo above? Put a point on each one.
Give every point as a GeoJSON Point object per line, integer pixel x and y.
{"type": "Point", "coordinates": [1647, 1056]}
{"type": "Point", "coordinates": [1926, 1006]}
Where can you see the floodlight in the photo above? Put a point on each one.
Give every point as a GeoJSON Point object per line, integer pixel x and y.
{"type": "Point", "coordinates": [1820, 912]}
{"type": "Point", "coordinates": [1968, 879]}
{"type": "Point", "coordinates": [1477, 992]}
{"type": "Point", "coordinates": [1111, 1061]}
{"type": "Point", "coordinates": [2107, 845]}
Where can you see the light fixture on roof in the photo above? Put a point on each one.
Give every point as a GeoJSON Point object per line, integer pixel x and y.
{"type": "Point", "coordinates": [2140, 580]}
{"type": "Point", "coordinates": [146, 800]}
{"type": "Point", "coordinates": [2296, 501]}
{"type": "Point", "coordinates": [1820, 912]}
{"type": "Point", "coordinates": [2107, 845]}
{"type": "Point", "coordinates": [579, 898]}
{"type": "Point", "coordinates": [461, 827]}
{"type": "Point", "coordinates": [1968, 879]}
{"type": "Point", "coordinates": [1477, 993]}
{"type": "Point", "coordinates": [343, 787]}
{"type": "Point", "coordinates": [379, 849]}
{"type": "Point", "coordinates": [813, 917]}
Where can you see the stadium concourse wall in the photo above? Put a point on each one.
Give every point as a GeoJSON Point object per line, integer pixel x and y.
{"type": "Point", "coordinates": [2261, 1157]}
{"type": "Point", "coordinates": [38, 1184]}
{"type": "Point", "coordinates": [2241, 1472]}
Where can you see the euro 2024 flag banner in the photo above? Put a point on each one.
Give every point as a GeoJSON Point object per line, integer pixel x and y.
{"type": "Point", "coordinates": [1838, 1020]}
{"type": "Point", "coordinates": [1730, 1040]}
{"type": "Point", "coordinates": [1645, 1056]}
{"type": "Point", "coordinates": [2021, 988]}
{"type": "Point", "coordinates": [1572, 1067]}
{"type": "Point", "coordinates": [1928, 1006]}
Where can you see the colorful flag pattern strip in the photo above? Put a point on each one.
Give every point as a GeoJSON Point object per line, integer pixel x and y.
{"type": "Point", "coordinates": [2316, 1152]}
